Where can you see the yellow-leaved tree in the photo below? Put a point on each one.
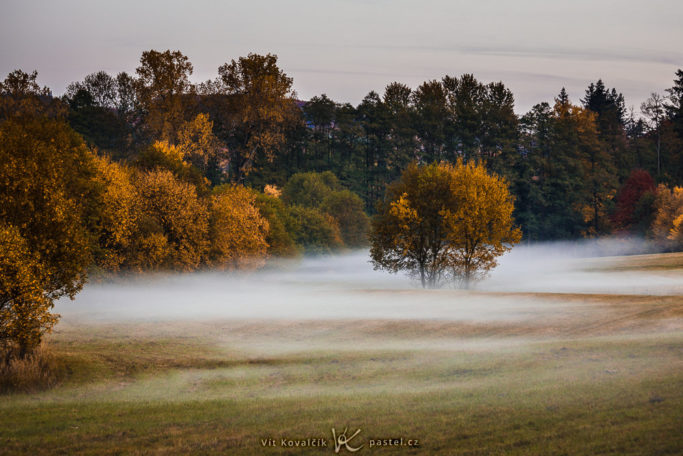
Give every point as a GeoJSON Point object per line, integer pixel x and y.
{"type": "Point", "coordinates": [443, 223]}
{"type": "Point", "coordinates": [198, 144]}
{"type": "Point", "coordinates": [667, 226]}
{"type": "Point", "coordinates": [24, 306]}
{"type": "Point", "coordinates": [480, 228]}
{"type": "Point", "coordinates": [117, 217]}
{"type": "Point", "coordinates": [173, 224]}
{"type": "Point", "coordinates": [237, 230]}
{"type": "Point", "coordinates": [47, 183]}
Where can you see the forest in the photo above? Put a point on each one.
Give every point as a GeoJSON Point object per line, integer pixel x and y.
{"type": "Point", "coordinates": [577, 168]}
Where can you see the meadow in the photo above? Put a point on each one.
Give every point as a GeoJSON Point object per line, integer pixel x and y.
{"type": "Point", "coordinates": [543, 367]}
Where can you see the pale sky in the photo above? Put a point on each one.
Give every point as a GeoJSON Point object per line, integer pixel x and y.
{"type": "Point", "coordinates": [345, 48]}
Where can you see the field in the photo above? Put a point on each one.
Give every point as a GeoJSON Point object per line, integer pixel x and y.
{"type": "Point", "coordinates": [480, 372]}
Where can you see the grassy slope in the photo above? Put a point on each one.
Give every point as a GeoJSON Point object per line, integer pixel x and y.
{"type": "Point", "coordinates": [604, 381]}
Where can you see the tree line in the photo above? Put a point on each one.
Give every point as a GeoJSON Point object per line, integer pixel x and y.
{"type": "Point", "coordinates": [566, 161]}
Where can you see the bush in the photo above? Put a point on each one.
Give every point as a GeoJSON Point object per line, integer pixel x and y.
{"type": "Point", "coordinates": [322, 192]}
{"type": "Point", "coordinates": [309, 189]}
{"type": "Point", "coordinates": [316, 231]}
{"type": "Point", "coordinates": [280, 242]}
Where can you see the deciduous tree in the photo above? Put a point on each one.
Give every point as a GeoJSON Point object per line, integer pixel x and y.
{"type": "Point", "coordinates": [443, 222]}
{"type": "Point", "coordinates": [173, 227]}
{"type": "Point", "coordinates": [261, 109]}
{"type": "Point", "coordinates": [237, 230]}
{"type": "Point", "coordinates": [163, 80]}
{"type": "Point", "coordinates": [47, 181]}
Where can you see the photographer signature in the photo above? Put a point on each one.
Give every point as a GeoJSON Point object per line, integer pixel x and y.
{"type": "Point", "coordinates": [342, 441]}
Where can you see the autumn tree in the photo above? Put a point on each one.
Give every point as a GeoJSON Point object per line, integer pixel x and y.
{"type": "Point", "coordinates": [24, 306]}
{"type": "Point", "coordinates": [443, 223]}
{"type": "Point", "coordinates": [667, 227]}
{"type": "Point", "coordinates": [260, 109]}
{"type": "Point", "coordinates": [47, 181]}
{"type": "Point", "coordinates": [237, 230]}
{"type": "Point", "coordinates": [116, 216]}
{"type": "Point", "coordinates": [480, 228]}
{"type": "Point", "coordinates": [630, 196]}
{"type": "Point", "coordinates": [200, 147]}
{"type": "Point", "coordinates": [163, 80]}
{"type": "Point", "coordinates": [173, 223]}
{"type": "Point", "coordinates": [168, 156]}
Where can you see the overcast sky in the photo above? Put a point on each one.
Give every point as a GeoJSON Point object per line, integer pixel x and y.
{"type": "Point", "coordinates": [346, 48]}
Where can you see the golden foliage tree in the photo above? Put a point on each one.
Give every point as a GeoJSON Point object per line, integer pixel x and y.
{"type": "Point", "coordinates": [480, 228]}
{"type": "Point", "coordinates": [166, 155]}
{"type": "Point", "coordinates": [47, 181]}
{"type": "Point", "coordinates": [443, 222]}
{"type": "Point", "coordinates": [198, 144]}
{"type": "Point", "coordinates": [24, 307]}
{"type": "Point", "coordinates": [173, 223]}
{"type": "Point", "coordinates": [117, 214]}
{"type": "Point", "coordinates": [237, 230]}
{"type": "Point", "coordinates": [667, 226]}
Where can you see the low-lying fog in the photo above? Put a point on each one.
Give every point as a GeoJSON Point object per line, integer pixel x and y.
{"type": "Point", "coordinates": [346, 286]}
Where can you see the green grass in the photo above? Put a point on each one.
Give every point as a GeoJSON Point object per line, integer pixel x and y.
{"type": "Point", "coordinates": [142, 395]}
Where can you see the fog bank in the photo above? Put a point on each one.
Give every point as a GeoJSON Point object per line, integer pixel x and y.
{"type": "Point", "coordinates": [346, 287]}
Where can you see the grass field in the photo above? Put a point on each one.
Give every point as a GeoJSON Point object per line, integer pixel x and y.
{"type": "Point", "coordinates": [564, 374]}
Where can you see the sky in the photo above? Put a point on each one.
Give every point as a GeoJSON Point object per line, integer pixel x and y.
{"type": "Point", "coordinates": [346, 48]}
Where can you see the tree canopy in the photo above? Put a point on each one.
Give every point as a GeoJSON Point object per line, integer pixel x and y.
{"type": "Point", "coordinates": [443, 223]}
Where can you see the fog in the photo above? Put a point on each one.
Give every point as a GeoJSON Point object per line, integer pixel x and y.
{"type": "Point", "coordinates": [346, 287]}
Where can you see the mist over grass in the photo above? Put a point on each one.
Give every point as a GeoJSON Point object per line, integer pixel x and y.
{"type": "Point", "coordinates": [212, 363]}
{"type": "Point", "coordinates": [345, 286]}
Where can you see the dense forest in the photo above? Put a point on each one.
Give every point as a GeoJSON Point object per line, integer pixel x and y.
{"type": "Point", "coordinates": [573, 165]}
{"type": "Point", "coordinates": [576, 167]}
